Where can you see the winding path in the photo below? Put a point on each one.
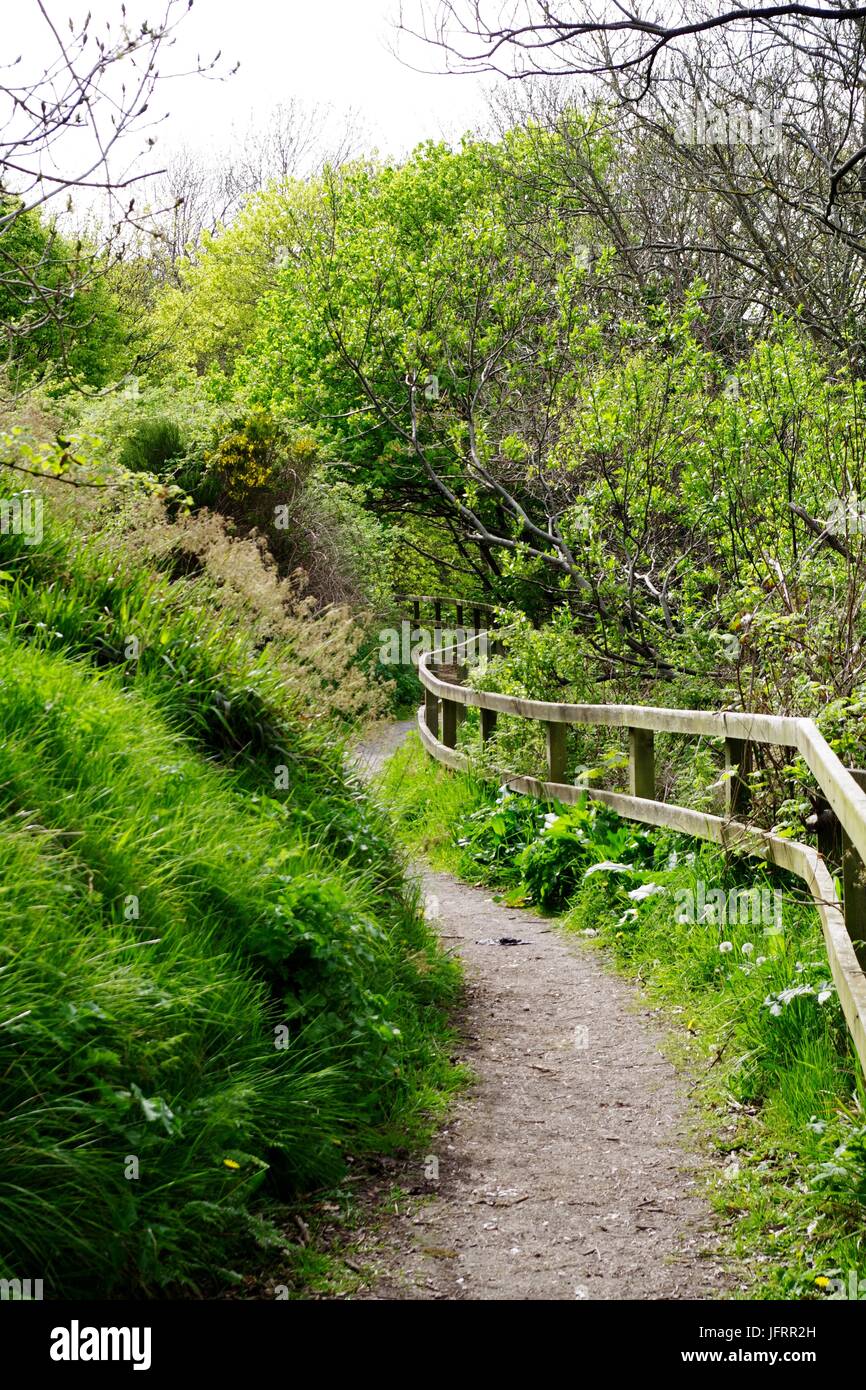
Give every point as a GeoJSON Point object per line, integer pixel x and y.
{"type": "Point", "coordinates": [566, 1171]}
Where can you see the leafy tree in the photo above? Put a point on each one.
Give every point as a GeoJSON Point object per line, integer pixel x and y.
{"type": "Point", "coordinates": [84, 340]}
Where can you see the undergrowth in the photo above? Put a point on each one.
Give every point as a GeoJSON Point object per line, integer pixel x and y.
{"type": "Point", "coordinates": [215, 981]}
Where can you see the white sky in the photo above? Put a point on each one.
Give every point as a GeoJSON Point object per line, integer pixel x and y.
{"type": "Point", "coordinates": [331, 51]}
{"type": "Point", "coordinates": [326, 52]}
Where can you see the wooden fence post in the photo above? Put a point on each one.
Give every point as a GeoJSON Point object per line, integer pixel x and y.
{"type": "Point", "coordinates": [488, 723]}
{"type": "Point", "coordinates": [738, 762]}
{"type": "Point", "coordinates": [431, 712]}
{"type": "Point", "coordinates": [641, 764]}
{"type": "Point", "coordinates": [555, 738]}
{"type": "Point", "coordinates": [460, 710]}
{"type": "Point", "coordinates": [854, 884]}
{"type": "Point", "coordinates": [449, 723]}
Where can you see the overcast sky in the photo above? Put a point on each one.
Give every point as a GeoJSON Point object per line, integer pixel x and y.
{"type": "Point", "coordinates": [336, 54]}
{"type": "Point", "coordinates": [334, 51]}
{"type": "Point", "coordinates": [323, 52]}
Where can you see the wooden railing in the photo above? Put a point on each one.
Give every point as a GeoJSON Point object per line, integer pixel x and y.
{"type": "Point", "coordinates": [842, 923]}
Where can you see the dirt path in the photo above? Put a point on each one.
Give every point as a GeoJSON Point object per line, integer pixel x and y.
{"type": "Point", "coordinates": [565, 1171]}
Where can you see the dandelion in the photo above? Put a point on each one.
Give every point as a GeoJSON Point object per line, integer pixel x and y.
{"type": "Point", "coordinates": [822, 1281]}
{"type": "Point", "coordinates": [761, 960]}
{"type": "Point", "coordinates": [725, 946]}
{"type": "Point", "coordinates": [747, 948]}
{"type": "Point", "coordinates": [230, 1163]}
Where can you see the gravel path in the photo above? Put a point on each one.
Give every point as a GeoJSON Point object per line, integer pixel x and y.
{"type": "Point", "coordinates": [565, 1171]}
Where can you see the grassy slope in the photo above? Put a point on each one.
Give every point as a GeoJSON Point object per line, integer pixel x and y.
{"type": "Point", "coordinates": [780, 1090]}
{"type": "Point", "coordinates": [210, 988]}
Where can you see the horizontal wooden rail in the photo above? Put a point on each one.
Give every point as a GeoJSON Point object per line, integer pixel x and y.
{"type": "Point", "coordinates": [739, 730]}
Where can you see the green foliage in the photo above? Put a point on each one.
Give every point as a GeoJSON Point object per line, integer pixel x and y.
{"type": "Point", "coordinates": [210, 967]}
{"type": "Point", "coordinates": [154, 447]}
{"type": "Point", "coordinates": [840, 1168]}
{"type": "Point", "coordinates": [554, 864]}
{"type": "Point", "coordinates": [494, 838]}
{"type": "Point", "coordinates": [64, 322]}
{"type": "Point", "coordinates": [427, 808]}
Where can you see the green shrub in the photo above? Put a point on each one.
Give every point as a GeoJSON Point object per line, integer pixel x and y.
{"type": "Point", "coordinates": [154, 446]}
{"type": "Point", "coordinates": [493, 838]}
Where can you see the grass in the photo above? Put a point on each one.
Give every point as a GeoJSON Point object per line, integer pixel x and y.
{"type": "Point", "coordinates": [215, 981]}
{"type": "Point", "coordinates": [746, 992]}
{"type": "Point", "coordinates": [427, 802]}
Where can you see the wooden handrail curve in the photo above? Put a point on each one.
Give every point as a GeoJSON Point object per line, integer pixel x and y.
{"type": "Point", "coordinates": [739, 729]}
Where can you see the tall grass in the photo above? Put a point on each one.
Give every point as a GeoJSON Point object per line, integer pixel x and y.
{"type": "Point", "coordinates": [215, 981]}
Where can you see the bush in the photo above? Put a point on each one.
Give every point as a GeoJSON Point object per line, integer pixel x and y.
{"type": "Point", "coordinates": [155, 446]}
{"type": "Point", "coordinates": [553, 865]}
{"type": "Point", "coordinates": [493, 838]}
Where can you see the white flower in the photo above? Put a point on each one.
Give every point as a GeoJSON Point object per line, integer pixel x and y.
{"type": "Point", "coordinates": [725, 946]}
{"type": "Point", "coordinates": [747, 948]}
{"type": "Point", "coordinates": [824, 994]}
{"type": "Point", "coordinates": [761, 960]}
{"type": "Point", "coordinates": [550, 819]}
